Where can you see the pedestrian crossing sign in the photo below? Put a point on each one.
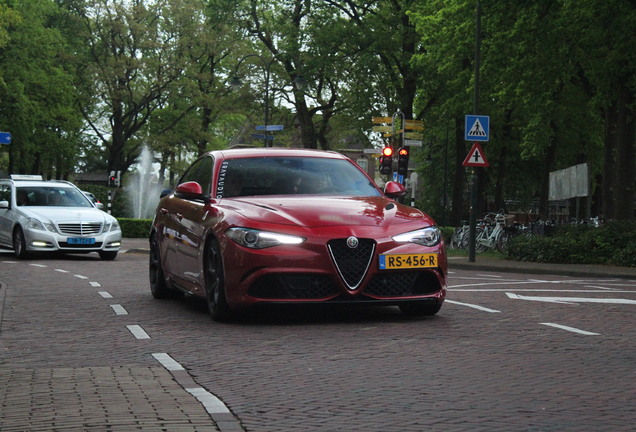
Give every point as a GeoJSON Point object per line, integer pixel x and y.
{"type": "Point", "coordinates": [476, 157]}
{"type": "Point", "coordinates": [477, 128]}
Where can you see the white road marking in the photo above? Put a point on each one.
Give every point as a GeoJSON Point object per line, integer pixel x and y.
{"type": "Point", "coordinates": [81, 277]}
{"type": "Point", "coordinates": [105, 294]}
{"type": "Point", "coordinates": [602, 288]}
{"type": "Point", "coordinates": [95, 284]}
{"type": "Point", "coordinates": [534, 290]}
{"type": "Point", "coordinates": [38, 265]}
{"type": "Point", "coordinates": [489, 275]}
{"type": "Point", "coordinates": [571, 329]}
{"type": "Point", "coordinates": [168, 362]}
{"type": "Point", "coordinates": [571, 299]}
{"type": "Point", "coordinates": [119, 309]}
{"type": "Point", "coordinates": [211, 403]}
{"type": "Point", "coordinates": [481, 308]}
{"type": "Point", "coordinates": [138, 332]}
{"type": "Point", "coordinates": [62, 271]}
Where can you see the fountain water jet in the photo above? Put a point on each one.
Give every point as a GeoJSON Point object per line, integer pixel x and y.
{"type": "Point", "coordinates": [143, 190]}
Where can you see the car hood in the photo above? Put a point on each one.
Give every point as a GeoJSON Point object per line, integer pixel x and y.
{"type": "Point", "coordinates": [327, 211]}
{"type": "Point", "coordinates": [59, 214]}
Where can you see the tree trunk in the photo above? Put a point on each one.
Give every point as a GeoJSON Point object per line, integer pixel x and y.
{"type": "Point", "coordinates": [625, 156]}
{"type": "Point", "coordinates": [548, 164]}
{"type": "Point", "coordinates": [609, 163]}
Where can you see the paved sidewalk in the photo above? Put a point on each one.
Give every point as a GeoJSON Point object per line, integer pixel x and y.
{"type": "Point", "coordinates": [576, 270]}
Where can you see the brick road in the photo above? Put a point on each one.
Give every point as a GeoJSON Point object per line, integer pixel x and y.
{"type": "Point", "coordinates": [70, 363]}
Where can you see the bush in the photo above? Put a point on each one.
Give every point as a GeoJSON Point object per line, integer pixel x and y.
{"type": "Point", "coordinates": [613, 243]}
{"type": "Point", "coordinates": [447, 233]}
{"type": "Point", "coordinates": [135, 228]}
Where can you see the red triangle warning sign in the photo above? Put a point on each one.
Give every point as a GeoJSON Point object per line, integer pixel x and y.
{"type": "Point", "coordinates": [476, 157]}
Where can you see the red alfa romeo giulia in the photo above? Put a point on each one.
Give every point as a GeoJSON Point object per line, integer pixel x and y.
{"type": "Point", "coordinates": [269, 225]}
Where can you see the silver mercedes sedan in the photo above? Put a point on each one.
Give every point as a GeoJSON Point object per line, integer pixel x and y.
{"type": "Point", "coordinates": [53, 216]}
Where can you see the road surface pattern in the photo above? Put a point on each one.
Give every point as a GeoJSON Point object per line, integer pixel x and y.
{"type": "Point", "coordinates": [84, 346]}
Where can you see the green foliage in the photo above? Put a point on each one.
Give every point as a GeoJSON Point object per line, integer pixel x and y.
{"type": "Point", "coordinates": [613, 243]}
{"type": "Point", "coordinates": [447, 233]}
{"type": "Point", "coordinates": [135, 228]}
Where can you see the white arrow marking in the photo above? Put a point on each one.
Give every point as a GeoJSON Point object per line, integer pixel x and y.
{"type": "Point", "coordinates": [570, 300]}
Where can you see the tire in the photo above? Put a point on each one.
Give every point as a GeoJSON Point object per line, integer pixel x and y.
{"type": "Point", "coordinates": [416, 309]}
{"type": "Point", "coordinates": [107, 255]}
{"type": "Point", "coordinates": [19, 244]}
{"type": "Point", "coordinates": [503, 240]}
{"type": "Point", "coordinates": [215, 283]}
{"type": "Point", "coordinates": [158, 286]}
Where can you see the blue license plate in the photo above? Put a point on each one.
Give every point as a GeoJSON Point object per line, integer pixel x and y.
{"type": "Point", "coordinates": [81, 241]}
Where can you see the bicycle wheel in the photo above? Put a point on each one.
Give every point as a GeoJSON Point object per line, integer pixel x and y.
{"type": "Point", "coordinates": [479, 248]}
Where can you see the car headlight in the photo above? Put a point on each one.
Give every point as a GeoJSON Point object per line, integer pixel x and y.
{"type": "Point", "coordinates": [114, 226]}
{"type": "Point", "coordinates": [36, 224]}
{"type": "Point", "coordinates": [257, 239]}
{"type": "Point", "coordinates": [430, 236]}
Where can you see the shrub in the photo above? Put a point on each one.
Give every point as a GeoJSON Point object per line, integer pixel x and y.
{"type": "Point", "coordinates": [613, 243]}
{"type": "Point", "coordinates": [135, 228]}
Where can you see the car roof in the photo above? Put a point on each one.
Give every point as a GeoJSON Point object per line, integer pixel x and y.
{"type": "Point", "coordinates": [274, 152]}
{"type": "Point", "coordinates": [34, 183]}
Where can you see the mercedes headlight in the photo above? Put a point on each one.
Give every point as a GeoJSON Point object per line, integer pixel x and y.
{"type": "Point", "coordinates": [36, 224]}
{"type": "Point", "coordinates": [430, 236]}
{"type": "Point", "coordinates": [257, 239]}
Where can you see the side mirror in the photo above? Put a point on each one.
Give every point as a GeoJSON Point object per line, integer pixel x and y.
{"type": "Point", "coordinates": [99, 205]}
{"type": "Point", "coordinates": [393, 189]}
{"type": "Point", "coordinates": [189, 190]}
{"type": "Point", "coordinates": [4, 204]}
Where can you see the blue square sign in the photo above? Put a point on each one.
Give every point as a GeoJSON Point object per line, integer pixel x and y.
{"type": "Point", "coordinates": [477, 128]}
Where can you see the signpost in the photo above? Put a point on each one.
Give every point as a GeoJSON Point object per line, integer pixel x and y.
{"type": "Point", "coordinates": [401, 133]}
{"type": "Point", "coordinates": [476, 129]}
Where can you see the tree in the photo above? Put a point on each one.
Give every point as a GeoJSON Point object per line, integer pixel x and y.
{"type": "Point", "coordinates": [38, 100]}
{"type": "Point", "coordinates": [134, 54]}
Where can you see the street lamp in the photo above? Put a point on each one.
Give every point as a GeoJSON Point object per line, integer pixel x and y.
{"type": "Point", "coordinates": [236, 83]}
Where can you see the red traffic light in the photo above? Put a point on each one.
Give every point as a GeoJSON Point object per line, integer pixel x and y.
{"type": "Point", "coordinates": [403, 151]}
{"type": "Point", "coordinates": [387, 151]}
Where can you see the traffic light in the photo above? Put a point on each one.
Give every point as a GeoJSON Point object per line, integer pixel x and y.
{"type": "Point", "coordinates": [386, 160]}
{"type": "Point", "coordinates": [118, 179]}
{"type": "Point", "coordinates": [112, 178]}
{"type": "Point", "coordinates": [403, 161]}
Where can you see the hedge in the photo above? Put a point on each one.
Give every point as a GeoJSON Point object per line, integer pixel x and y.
{"type": "Point", "coordinates": [613, 243]}
{"type": "Point", "coordinates": [135, 228]}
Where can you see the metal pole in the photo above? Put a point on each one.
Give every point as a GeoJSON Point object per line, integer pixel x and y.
{"type": "Point", "coordinates": [267, 102]}
{"type": "Point", "coordinates": [474, 186]}
{"type": "Point", "coordinates": [444, 189]}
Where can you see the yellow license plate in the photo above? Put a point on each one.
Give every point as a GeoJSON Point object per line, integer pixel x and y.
{"type": "Point", "coordinates": [407, 261]}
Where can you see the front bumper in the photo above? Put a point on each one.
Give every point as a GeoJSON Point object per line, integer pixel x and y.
{"type": "Point", "coordinates": [45, 241]}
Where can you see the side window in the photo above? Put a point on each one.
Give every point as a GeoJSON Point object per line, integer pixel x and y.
{"type": "Point", "coordinates": [200, 172]}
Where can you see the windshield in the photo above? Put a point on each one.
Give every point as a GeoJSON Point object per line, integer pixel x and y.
{"type": "Point", "coordinates": [51, 196]}
{"type": "Point", "coordinates": [292, 175]}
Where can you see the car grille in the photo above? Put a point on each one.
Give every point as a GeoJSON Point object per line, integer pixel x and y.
{"type": "Point", "coordinates": [80, 228]}
{"type": "Point", "coordinates": [294, 286]}
{"type": "Point", "coordinates": [403, 284]}
{"type": "Point", "coordinates": [352, 263]}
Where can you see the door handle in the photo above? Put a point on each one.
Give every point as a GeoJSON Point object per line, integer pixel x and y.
{"type": "Point", "coordinates": [163, 211]}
